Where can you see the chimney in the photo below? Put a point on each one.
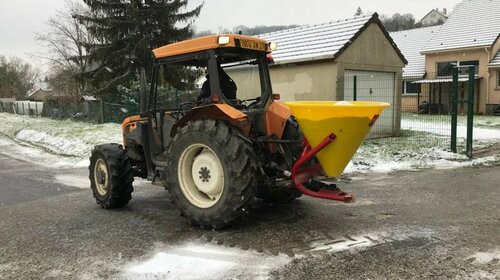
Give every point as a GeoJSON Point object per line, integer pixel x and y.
{"type": "Point", "coordinates": [444, 11]}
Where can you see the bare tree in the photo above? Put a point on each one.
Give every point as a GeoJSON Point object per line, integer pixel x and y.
{"type": "Point", "coordinates": [66, 50]}
{"type": "Point", "coordinates": [16, 77]}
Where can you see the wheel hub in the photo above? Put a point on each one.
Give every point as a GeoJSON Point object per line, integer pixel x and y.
{"type": "Point", "coordinates": [101, 176]}
{"type": "Point", "coordinates": [201, 175]}
{"type": "Point", "coordinates": [204, 174]}
{"type": "Point", "coordinates": [207, 173]}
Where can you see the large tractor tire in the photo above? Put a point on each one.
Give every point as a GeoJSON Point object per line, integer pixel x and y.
{"type": "Point", "coordinates": [111, 176]}
{"type": "Point", "coordinates": [212, 173]}
{"type": "Point", "coordinates": [292, 153]}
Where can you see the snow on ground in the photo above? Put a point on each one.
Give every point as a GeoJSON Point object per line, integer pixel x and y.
{"type": "Point", "coordinates": [443, 129]}
{"type": "Point", "coordinates": [66, 138]}
{"type": "Point", "coordinates": [204, 261]}
{"type": "Point", "coordinates": [485, 257]}
{"type": "Point", "coordinates": [67, 144]}
{"type": "Point", "coordinates": [382, 156]}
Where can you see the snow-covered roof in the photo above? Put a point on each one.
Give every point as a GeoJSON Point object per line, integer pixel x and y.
{"type": "Point", "coordinates": [473, 24]}
{"type": "Point", "coordinates": [435, 11]}
{"type": "Point", "coordinates": [411, 42]}
{"type": "Point", "coordinates": [89, 98]}
{"type": "Point", "coordinates": [495, 62]}
{"type": "Point", "coordinates": [39, 86]}
{"type": "Point", "coordinates": [320, 41]}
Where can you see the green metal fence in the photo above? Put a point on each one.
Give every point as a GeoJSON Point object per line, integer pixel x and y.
{"type": "Point", "coordinates": [421, 106]}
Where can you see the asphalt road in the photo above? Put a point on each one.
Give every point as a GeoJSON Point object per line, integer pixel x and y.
{"type": "Point", "coordinates": [431, 224]}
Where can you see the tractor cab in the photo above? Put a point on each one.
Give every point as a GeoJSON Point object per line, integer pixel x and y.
{"type": "Point", "coordinates": [229, 69]}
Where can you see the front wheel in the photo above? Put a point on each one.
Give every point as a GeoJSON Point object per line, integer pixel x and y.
{"type": "Point", "coordinates": [212, 173]}
{"type": "Point", "coordinates": [111, 176]}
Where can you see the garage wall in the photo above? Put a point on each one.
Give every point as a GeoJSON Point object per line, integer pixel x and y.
{"type": "Point", "coordinates": [373, 52]}
{"type": "Point", "coordinates": [312, 81]}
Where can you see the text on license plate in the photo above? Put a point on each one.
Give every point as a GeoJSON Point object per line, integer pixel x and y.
{"type": "Point", "coordinates": [247, 44]}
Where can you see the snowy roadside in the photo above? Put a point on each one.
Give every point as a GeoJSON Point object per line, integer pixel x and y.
{"type": "Point", "coordinates": [72, 142]}
{"type": "Point", "coordinates": [416, 151]}
{"type": "Point", "coordinates": [65, 138]}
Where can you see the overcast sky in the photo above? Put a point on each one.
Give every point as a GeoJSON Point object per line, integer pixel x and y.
{"type": "Point", "coordinates": [20, 20]}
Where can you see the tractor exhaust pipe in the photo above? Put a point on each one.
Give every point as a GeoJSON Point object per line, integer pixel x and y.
{"type": "Point", "coordinates": [143, 95]}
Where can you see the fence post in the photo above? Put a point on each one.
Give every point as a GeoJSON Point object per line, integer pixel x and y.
{"type": "Point", "coordinates": [454, 107]}
{"type": "Point", "coordinates": [470, 110]}
{"type": "Point", "coordinates": [355, 88]}
{"type": "Point", "coordinates": [102, 111]}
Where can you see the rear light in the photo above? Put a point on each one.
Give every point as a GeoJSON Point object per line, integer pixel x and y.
{"type": "Point", "coordinates": [374, 119]}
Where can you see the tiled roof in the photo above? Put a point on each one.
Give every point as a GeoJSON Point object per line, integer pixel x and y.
{"type": "Point", "coordinates": [319, 41]}
{"type": "Point", "coordinates": [432, 11]}
{"type": "Point", "coordinates": [411, 42]}
{"type": "Point", "coordinates": [495, 62]}
{"type": "Point", "coordinates": [473, 24]}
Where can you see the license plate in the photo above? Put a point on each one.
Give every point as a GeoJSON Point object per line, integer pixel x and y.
{"type": "Point", "coordinates": [253, 45]}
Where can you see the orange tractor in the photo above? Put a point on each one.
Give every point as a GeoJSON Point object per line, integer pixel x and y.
{"type": "Point", "coordinates": [214, 152]}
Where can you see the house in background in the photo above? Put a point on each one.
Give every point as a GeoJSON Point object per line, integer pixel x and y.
{"type": "Point", "coordinates": [470, 36]}
{"type": "Point", "coordinates": [411, 42]}
{"type": "Point", "coordinates": [321, 61]}
{"type": "Point", "coordinates": [434, 17]}
{"type": "Point", "coordinates": [40, 92]}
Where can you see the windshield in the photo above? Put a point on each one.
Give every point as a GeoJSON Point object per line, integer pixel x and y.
{"type": "Point", "coordinates": [249, 78]}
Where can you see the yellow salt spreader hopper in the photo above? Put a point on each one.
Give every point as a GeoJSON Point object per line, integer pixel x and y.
{"type": "Point", "coordinates": [333, 132]}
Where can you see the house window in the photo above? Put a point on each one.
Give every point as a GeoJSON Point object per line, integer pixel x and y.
{"type": "Point", "coordinates": [409, 87]}
{"type": "Point", "coordinates": [446, 68]}
{"type": "Point", "coordinates": [498, 78]}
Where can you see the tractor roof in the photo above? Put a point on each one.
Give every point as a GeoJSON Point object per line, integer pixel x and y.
{"type": "Point", "coordinates": [212, 42]}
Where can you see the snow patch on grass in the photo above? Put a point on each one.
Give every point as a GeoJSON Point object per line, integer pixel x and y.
{"type": "Point", "coordinates": [59, 145]}
{"type": "Point", "coordinates": [67, 138]}
{"type": "Point", "coordinates": [205, 261]}
{"type": "Point", "coordinates": [414, 152]}
{"type": "Point", "coordinates": [443, 129]}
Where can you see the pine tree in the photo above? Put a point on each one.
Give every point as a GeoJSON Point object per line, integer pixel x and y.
{"type": "Point", "coordinates": [127, 31]}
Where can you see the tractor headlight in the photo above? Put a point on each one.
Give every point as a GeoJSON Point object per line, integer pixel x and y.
{"type": "Point", "coordinates": [273, 46]}
{"type": "Point", "coordinates": [223, 40]}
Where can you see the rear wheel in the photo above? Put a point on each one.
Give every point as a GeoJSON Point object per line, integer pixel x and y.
{"type": "Point", "coordinates": [212, 173]}
{"type": "Point", "coordinates": [111, 176]}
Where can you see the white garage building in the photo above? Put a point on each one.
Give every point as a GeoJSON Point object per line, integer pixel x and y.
{"type": "Point", "coordinates": [350, 59]}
